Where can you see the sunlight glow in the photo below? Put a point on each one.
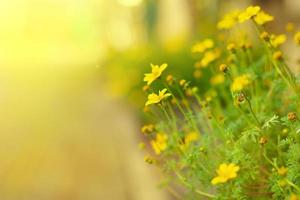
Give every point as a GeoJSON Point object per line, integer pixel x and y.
{"type": "Point", "coordinates": [130, 2]}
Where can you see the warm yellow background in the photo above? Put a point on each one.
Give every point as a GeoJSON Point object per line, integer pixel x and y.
{"type": "Point", "coordinates": [58, 132]}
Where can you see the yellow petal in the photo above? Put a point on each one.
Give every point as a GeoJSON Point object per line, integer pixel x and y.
{"type": "Point", "coordinates": [218, 179]}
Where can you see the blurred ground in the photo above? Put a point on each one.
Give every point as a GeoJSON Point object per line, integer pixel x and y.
{"type": "Point", "coordinates": [63, 138]}
{"type": "Point", "coordinates": [61, 135]}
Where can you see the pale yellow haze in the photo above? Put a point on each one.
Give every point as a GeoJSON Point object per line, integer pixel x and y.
{"type": "Point", "coordinates": [53, 111]}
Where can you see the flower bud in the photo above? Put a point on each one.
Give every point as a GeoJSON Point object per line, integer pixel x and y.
{"type": "Point", "coordinates": [265, 36]}
{"type": "Point", "coordinates": [263, 140]}
{"type": "Point", "coordinates": [182, 82]}
{"type": "Point", "coordinates": [277, 55]}
{"type": "Point", "coordinates": [195, 89]}
{"type": "Point", "coordinates": [240, 98]}
{"type": "Point", "coordinates": [223, 68]}
{"type": "Point", "coordinates": [146, 88]}
{"type": "Point", "coordinates": [231, 47]}
{"type": "Point", "coordinates": [170, 79]}
{"type": "Point", "coordinates": [149, 160]}
{"type": "Point", "coordinates": [248, 45]}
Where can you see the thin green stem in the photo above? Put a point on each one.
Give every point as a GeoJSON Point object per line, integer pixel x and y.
{"type": "Point", "coordinates": [188, 185]}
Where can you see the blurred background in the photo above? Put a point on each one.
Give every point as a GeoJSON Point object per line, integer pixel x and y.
{"type": "Point", "coordinates": [70, 89]}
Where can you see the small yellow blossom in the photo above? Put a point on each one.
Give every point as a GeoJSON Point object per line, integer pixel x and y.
{"type": "Point", "coordinates": [192, 136]}
{"type": "Point", "coordinates": [282, 171]}
{"type": "Point", "coordinates": [297, 38]}
{"type": "Point", "coordinates": [154, 98]}
{"type": "Point", "coordinates": [229, 20]}
{"type": "Point", "coordinates": [160, 143]}
{"type": "Point", "coordinates": [217, 79]}
{"type": "Point", "coordinates": [182, 82]}
{"type": "Point", "coordinates": [146, 88]}
{"type": "Point", "coordinates": [170, 79]}
{"type": "Point", "coordinates": [265, 36]}
{"type": "Point", "coordinates": [148, 128]}
{"type": "Point", "coordinates": [209, 57]}
{"type": "Point", "coordinates": [278, 40]}
{"type": "Point", "coordinates": [263, 140]}
{"type": "Point", "coordinates": [200, 47]}
{"type": "Point", "coordinates": [246, 45]}
{"type": "Point", "coordinates": [240, 82]}
{"type": "Point", "coordinates": [223, 68]}
{"type": "Point", "coordinates": [231, 47]}
{"type": "Point", "coordinates": [189, 138]}
{"type": "Point", "coordinates": [155, 73]}
{"type": "Point", "coordinates": [225, 173]}
{"type": "Point", "coordinates": [250, 12]}
{"type": "Point", "coordinates": [294, 197]}
{"type": "Point", "coordinates": [277, 55]}
{"type": "Point", "coordinates": [261, 18]}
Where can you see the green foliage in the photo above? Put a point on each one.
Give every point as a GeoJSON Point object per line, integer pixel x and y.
{"type": "Point", "coordinates": [237, 134]}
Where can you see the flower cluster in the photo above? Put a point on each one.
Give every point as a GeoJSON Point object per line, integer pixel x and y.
{"type": "Point", "coordinates": [234, 131]}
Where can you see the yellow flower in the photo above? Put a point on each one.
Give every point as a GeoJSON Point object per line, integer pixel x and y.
{"type": "Point", "coordinates": [225, 172]}
{"type": "Point", "coordinates": [155, 73]}
{"type": "Point", "coordinates": [229, 20]}
{"type": "Point", "coordinates": [231, 47]}
{"type": "Point", "coordinates": [147, 129]}
{"type": "Point", "coordinates": [250, 12]}
{"type": "Point", "coordinates": [240, 82]}
{"type": "Point", "coordinates": [282, 171]}
{"type": "Point", "coordinates": [192, 136]}
{"type": "Point", "coordinates": [209, 57]}
{"type": "Point", "coordinates": [160, 143]}
{"type": "Point", "coordinates": [294, 197]}
{"type": "Point", "coordinates": [200, 47]}
{"type": "Point", "coordinates": [277, 40]}
{"type": "Point", "coordinates": [189, 138]}
{"type": "Point", "coordinates": [261, 18]}
{"type": "Point", "coordinates": [297, 37]}
{"type": "Point", "coordinates": [217, 79]}
{"type": "Point", "coordinates": [154, 98]}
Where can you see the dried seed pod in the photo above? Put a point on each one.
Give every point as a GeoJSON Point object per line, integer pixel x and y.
{"type": "Point", "coordinates": [291, 116]}
{"type": "Point", "coordinates": [240, 98]}
{"type": "Point", "coordinates": [263, 140]}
